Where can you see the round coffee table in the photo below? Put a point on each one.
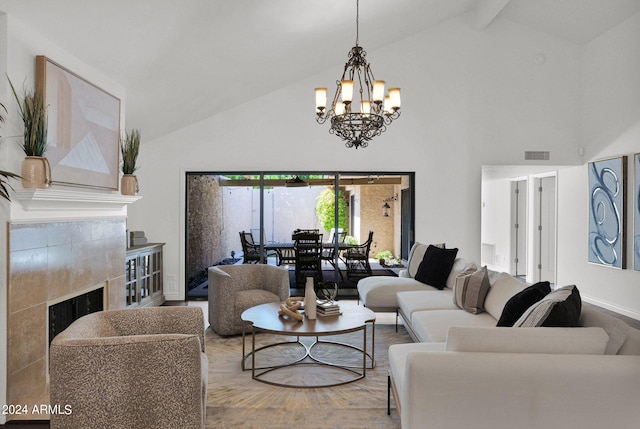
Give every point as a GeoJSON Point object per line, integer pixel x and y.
{"type": "Point", "coordinates": [265, 318]}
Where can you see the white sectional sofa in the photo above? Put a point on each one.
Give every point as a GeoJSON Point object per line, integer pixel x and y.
{"type": "Point", "coordinates": [463, 371]}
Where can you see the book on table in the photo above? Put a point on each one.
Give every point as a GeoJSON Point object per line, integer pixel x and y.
{"type": "Point", "coordinates": [330, 308]}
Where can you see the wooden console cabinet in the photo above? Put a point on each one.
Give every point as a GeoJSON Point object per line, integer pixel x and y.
{"type": "Point", "coordinates": [143, 275]}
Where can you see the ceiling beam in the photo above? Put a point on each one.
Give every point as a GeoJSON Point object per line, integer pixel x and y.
{"type": "Point", "coordinates": [486, 11]}
{"type": "Point", "coordinates": [314, 182]}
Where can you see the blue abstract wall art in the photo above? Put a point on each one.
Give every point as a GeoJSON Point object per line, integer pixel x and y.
{"type": "Point", "coordinates": [607, 201]}
{"type": "Point", "coordinates": [636, 214]}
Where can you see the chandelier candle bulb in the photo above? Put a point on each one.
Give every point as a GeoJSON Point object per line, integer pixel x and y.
{"type": "Point", "coordinates": [321, 98]}
{"type": "Point", "coordinates": [387, 105]}
{"type": "Point", "coordinates": [347, 91]}
{"type": "Point", "coordinates": [378, 91]}
{"type": "Point", "coordinates": [394, 97]}
{"type": "Point", "coordinates": [365, 107]}
{"type": "Point", "coordinates": [340, 109]}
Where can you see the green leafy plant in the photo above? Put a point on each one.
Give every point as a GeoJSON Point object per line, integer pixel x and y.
{"type": "Point", "coordinates": [5, 175]}
{"type": "Point", "coordinates": [325, 209]}
{"type": "Point", "coordinates": [384, 254]}
{"type": "Point", "coordinates": [350, 239]}
{"type": "Point", "coordinates": [34, 117]}
{"type": "Point", "coordinates": [130, 147]}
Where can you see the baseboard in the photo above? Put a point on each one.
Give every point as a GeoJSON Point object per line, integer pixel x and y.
{"type": "Point", "coordinates": [612, 307]}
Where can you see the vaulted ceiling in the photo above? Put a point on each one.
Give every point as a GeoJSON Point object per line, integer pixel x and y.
{"type": "Point", "coordinates": [182, 61]}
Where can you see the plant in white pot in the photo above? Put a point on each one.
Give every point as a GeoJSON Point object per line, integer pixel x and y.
{"type": "Point", "coordinates": [36, 172]}
{"type": "Point", "coordinates": [130, 147]}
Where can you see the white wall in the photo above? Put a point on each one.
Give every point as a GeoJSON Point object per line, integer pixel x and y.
{"type": "Point", "coordinates": [469, 98]}
{"type": "Point", "coordinates": [19, 45]}
{"type": "Point", "coordinates": [611, 127]}
{"type": "Point", "coordinates": [496, 221]}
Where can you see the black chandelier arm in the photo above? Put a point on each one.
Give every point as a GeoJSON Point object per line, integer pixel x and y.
{"type": "Point", "coordinates": [390, 117]}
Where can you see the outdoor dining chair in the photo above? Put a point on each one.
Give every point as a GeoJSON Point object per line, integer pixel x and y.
{"type": "Point", "coordinates": [251, 249]}
{"type": "Point", "coordinates": [308, 253]}
{"type": "Point", "coordinates": [356, 259]}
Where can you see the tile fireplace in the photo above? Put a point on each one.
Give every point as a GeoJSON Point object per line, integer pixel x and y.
{"type": "Point", "coordinates": [50, 262]}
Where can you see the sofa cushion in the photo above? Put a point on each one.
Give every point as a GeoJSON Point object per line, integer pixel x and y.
{"type": "Point", "coordinates": [471, 290]}
{"type": "Point", "coordinates": [527, 340]}
{"type": "Point", "coordinates": [410, 302]}
{"type": "Point", "coordinates": [379, 292]}
{"type": "Point", "coordinates": [432, 326]}
{"type": "Point", "coordinates": [520, 302]}
{"type": "Point", "coordinates": [436, 266]}
{"type": "Point", "coordinates": [501, 291]}
{"type": "Point", "coordinates": [460, 266]}
{"type": "Point", "coordinates": [631, 345]}
{"type": "Point", "coordinates": [614, 327]}
{"type": "Point", "coordinates": [559, 308]}
{"type": "Point", "coordinates": [416, 254]}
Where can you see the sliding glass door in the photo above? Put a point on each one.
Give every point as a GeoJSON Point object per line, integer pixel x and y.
{"type": "Point", "coordinates": [271, 205]}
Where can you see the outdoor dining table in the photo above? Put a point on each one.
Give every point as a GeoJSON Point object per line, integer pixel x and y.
{"type": "Point", "coordinates": [285, 250]}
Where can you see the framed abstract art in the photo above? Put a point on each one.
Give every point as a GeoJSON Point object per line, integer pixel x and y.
{"type": "Point", "coordinates": [84, 128]}
{"type": "Point", "coordinates": [607, 202]}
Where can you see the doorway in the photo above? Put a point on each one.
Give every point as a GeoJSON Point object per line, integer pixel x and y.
{"type": "Point", "coordinates": [519, 221]}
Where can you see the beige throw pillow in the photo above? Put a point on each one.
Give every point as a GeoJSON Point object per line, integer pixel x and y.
{"type": "Point", "coordinates": [471, 290]}
{"type": "Point", "coordinates": [416, 254]}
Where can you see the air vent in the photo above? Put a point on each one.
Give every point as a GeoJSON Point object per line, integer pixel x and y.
{"type": "Point", "coordinates": [536, 155]}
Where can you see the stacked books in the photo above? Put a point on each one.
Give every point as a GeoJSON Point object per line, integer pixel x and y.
{"type": "Point", "coordinates": [327, 308]}
{"type": "Point", "coordinates": [137, 238]}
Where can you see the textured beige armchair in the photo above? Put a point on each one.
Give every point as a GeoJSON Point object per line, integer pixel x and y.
{"type": "Point", "coordinates": [235, 288]}
{"type": "Point", "coordinates": [135, 368]}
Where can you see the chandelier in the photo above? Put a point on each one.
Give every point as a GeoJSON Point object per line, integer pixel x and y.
{"type": "Point", "coordinates": [374, 111]}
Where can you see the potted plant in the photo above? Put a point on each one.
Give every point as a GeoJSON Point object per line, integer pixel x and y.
{"type": "Point", "coordinates": [4, 175]}
{"type": "Point", "coordinates": [36, 172]}
{"type": "Point", "coordinates": [384, 255]}
{"type": "Point", "coordinates": [130, 146]}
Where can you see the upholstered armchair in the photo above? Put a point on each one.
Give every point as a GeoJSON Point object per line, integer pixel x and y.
{"type": "Point", "coordinates": [236, 288]}
{"type": "Point", "coordinates": [134, 368]}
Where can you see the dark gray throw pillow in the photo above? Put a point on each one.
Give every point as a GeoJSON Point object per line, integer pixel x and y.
{"type": "Point", "coordinates": [436, 266]}
{"type": "Point", "coordinates": [561, 307]}
{"type": "Point", "coordinates": [520, 302]}
{"type": "Point", "coordinates": [567, 312]}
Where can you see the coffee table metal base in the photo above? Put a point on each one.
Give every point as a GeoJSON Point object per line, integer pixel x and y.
{"type": "Point", "coordinates": [357, 372]}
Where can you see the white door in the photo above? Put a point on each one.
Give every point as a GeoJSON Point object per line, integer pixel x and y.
{"type": "Point", "coordinates": [545, 212]}
{"type": "Point", "coordinates": [518, 228]}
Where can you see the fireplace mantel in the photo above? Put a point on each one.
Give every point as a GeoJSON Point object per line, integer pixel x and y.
{"type": "Point", "coordinates": [61, 199]}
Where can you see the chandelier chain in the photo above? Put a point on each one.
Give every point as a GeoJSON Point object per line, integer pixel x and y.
{"type": "Point", "coordinates": [357, 22]}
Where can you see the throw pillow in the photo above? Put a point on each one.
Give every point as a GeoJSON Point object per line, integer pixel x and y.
{"type": "Point", "coordinates": [470, 291]}
{"type": "Point", "coordinates": [567, 312]}
{"type": "Point", "coordinates": [520, 302]}
{"type": "Point", "coordinates": [560, 308]}
{"type": "Point", "coordinates": [436, 266]}
{"type": "Point", "coordinates": [416, 254]}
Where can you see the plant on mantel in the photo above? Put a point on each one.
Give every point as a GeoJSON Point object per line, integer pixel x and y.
{"type": "Point", "coordinates": [130, 147]}
{"type": "Point", "coordinates": [5, 175]}
{"type": "Point", "coordinates": [36, 172]}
